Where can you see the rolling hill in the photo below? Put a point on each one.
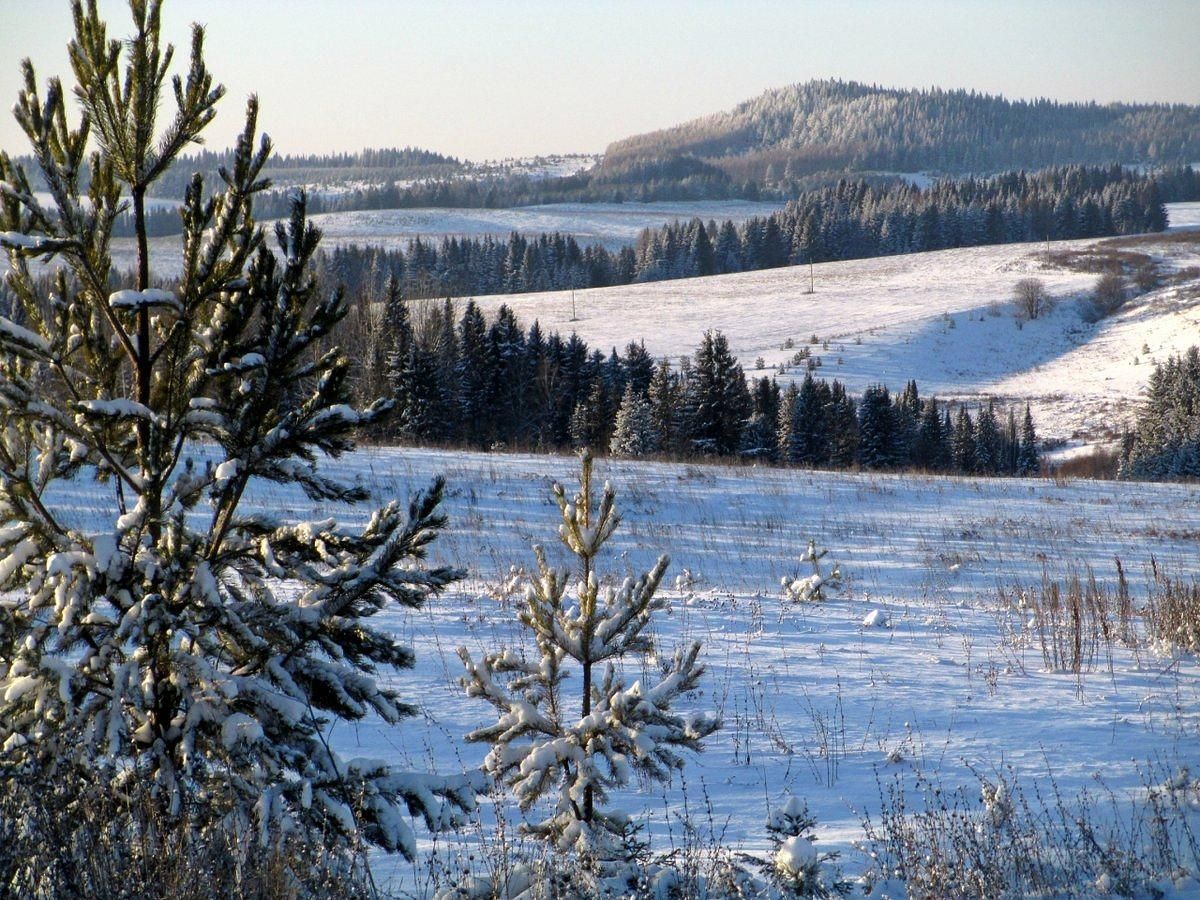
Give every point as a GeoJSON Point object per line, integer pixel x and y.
{"type": "Point", "coordinates": [944, 318]}
{"type": "Point", "coordinates": [821, 126]}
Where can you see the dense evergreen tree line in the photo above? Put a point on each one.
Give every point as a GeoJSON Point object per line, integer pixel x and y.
{"type": "Point", "coordinates": [463, 380]}
{"type": "Point", "coordinates": [1165, 443]}
{"type": "Point", "coordinates": [838, 125]}
{"type": "Point", "coordinates": [850, 220]}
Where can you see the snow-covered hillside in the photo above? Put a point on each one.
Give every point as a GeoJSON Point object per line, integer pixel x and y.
{"type": "Point", "coordinates": [613, 225]}
{"type": "Point", "coordinates": [944, 318]}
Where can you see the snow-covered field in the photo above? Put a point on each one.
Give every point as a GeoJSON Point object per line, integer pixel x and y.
{"type": "Point", "coordinates": [943, 318]}
{"type": "Point", "coordinates": [814, 703]}
{"type": "Point", "coordinates": [613, 225]}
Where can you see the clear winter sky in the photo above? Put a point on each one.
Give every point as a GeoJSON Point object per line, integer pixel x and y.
{"type": "Point", "coordinates": [495, 78]}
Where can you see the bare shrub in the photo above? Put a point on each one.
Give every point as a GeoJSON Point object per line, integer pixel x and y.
{"type": "Point", "coordinates": [1187, 273]}
{"type": "Point", "coordinates": [1146, 277]}
{"type": "Point", "coordinates": [1102, 462]}
{"type": "Point", "coordinates": [1105, 257]}
{"type": "Point", "coordinates": [999, 840]}
{"type": "Point", "coordinates": [65, 833]}
{"type": "Point", "coordinates": [1108, 296]}
{"type": "Point", "coordinates": [1173, 614]}
{"type": "Point", "coordinates": [1031, 298]}
{"type": "Point", "coordinates": [1072, 621]}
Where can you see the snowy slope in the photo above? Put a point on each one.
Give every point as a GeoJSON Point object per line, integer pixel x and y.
{"type": "Point", "coordinates": [943, 318]}
{"type": "Point", "coordinates": [614, 225]}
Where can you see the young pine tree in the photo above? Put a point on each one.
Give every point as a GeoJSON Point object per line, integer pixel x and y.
{"type": "Point", "coordinates": [577, 749]}
{"type": "Point", "coordinates": [1027, 454]}
{"type": "Point", "coordinates": [154, 646]}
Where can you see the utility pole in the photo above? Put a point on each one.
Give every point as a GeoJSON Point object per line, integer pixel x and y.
{"type": "Point", "coordinates": [573, 317]}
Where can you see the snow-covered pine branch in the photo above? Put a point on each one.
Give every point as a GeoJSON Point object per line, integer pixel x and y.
{"type": "Point", "coordinates": [162, 647]}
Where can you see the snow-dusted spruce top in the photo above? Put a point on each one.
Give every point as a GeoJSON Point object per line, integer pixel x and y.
{"type": "Point", "coordinates": [543, 742]}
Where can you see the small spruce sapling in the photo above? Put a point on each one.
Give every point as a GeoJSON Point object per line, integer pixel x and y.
{"type": "Point", "coordinates": [805, 588]}
{"type": "Point", "coordinates": [577, 750]}
{"type": "Point", "coordinates": [796, 868]}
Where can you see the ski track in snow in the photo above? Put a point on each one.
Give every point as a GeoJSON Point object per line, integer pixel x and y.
{"type": "Point", "coordinates": [813, 702]}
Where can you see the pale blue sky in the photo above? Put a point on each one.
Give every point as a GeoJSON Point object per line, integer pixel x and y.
{"type": "Point", "coordinates": [489, 79]}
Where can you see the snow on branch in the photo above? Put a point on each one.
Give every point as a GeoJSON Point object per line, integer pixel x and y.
{"type": "Point", "coordinates": [129, 300]}
{"type": "Point", "coordinates": [16, 338]}
{"type": "Point", "coordinates": [31, 245]}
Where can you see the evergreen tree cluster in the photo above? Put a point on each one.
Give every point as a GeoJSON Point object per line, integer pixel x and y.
{"type": "Point", "coordinates": [463, 380]}
{"type": "Point", "coordinates": [376, 166]}
{"type": "Point", "coordinates": [851, 220]}
{"type": "Point", "coordinates": [831, 125]}
{"type": "Point", "coordinates": [1165, 444]}
{"type": "Point", "coordinates": [819, 425]}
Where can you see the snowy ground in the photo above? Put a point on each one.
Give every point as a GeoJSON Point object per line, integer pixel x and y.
{"type": "Point", "coordinates": [943, 318]}
{"type": "Point", "coordinates": [814, 704]}
{"type": "Point", "coordinates": [613, 225]}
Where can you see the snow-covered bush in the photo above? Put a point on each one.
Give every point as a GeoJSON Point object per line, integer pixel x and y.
{"type": "Point", "coordinates": [795, 868]}
{"type": "Point", "coordinates": [576, 749]}
{"type": "Point", "coordinates": [178, 641]}
{"type": "Point", "coordinates": [812, 587]}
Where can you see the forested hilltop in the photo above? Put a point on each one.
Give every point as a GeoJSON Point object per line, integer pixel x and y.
{"type": "Point", "coordinates": [792, 132]}
{"type": "Point", "coordinates": [776, 146]}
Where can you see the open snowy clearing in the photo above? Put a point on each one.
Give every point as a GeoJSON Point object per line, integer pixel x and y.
{"type": "Point", "coordinates": [944, 318]}
{"type": "Point", "coordinates": [814, 703]}
{"type": "Point", "coordinates": [614, 225]}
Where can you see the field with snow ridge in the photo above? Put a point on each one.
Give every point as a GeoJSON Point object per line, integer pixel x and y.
{"type": "Point", "coordinates": [814, 703]}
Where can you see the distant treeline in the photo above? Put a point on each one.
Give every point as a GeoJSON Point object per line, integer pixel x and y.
{"type": "Point", "coordinates": [673, 180]}
{"type": "Point", "coordinates": [851, 220]}
{"type": "Point", "coordinates": [465, 381]}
